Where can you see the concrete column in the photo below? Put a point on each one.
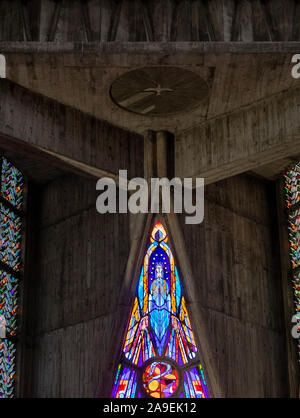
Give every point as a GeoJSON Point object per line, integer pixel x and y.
{"type": "Point", "coordinates": [162, 153]}
{"type": "Point", "coordinates": [150, 163]}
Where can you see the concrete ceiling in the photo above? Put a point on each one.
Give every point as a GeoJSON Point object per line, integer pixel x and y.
{"type": "Point", "coordinates": [73, 50]}
{"type": "Point", "coordinates": [84, 80]}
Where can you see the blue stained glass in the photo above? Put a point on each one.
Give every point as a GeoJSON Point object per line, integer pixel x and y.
{"type": "Point", "coordinates": [141, 289]}
{"type": "Point", "coordinates": [159, 296]}
{"type": "Point", "coordinates": [159, 325]}
{"type": "Point", "coordinates": [160, 321]}
{"type": "Point", "coordinates": [9, 301]}
{"type": "Point", "coordinates": [194, 383]}
{"type": "Point", "coordinates": [7, 368]}
{"type": "Point", "coordinates": [11, 195]}
{"type": "Point", "coordinates": [125, 384]}
{"type": "Point", "coordinates": [12, 184]}
{"type": "Point", "coordinates": [10, 238]}
{"type": "Point", "coordinates": [177, 289]}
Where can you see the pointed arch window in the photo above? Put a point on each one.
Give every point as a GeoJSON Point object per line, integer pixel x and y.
{"type": "Point", "coordinates": [159, 355]}
{"type": "Point", "coordinates": [11, 204]}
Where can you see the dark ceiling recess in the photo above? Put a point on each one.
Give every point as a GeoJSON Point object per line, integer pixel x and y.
{"type": "Point", "coordinates": [159, 91]}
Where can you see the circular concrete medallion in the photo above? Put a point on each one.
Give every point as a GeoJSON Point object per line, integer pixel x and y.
{"type": "Point", "coordinates": [159, 91]}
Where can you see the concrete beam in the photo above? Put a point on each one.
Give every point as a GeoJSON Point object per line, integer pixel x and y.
{"type": "Point", "coordinates": [242, 140]}
{"type": "Point", "coordinates": [45, 129]}
{"type": "Point", "coordinates": [147, 48]}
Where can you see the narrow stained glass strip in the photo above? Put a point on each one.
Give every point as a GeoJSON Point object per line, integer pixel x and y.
{"type": "Point", "coordinates": [12, 184]}
{"type": "Point", "coordinates": [125, 383]}
{"type": "Point", "coordinates": [132, 327]}
{"type": "Point", "coordinates": [292, 186]}
{"type": "Point", "coordinates": [9, 302]}
{"type": "Point", "coordinates": [10, 238]}
{"type": "Point", "coordinates": [187, 328]}
{"type": "Point", "coordinates": [292, 195]}
{"type": "Point", "coordinates": [11, 196]}
{"type": "Point", "coordinates": [7, 368]}
{"type": "Point", "coordinates": [195, 384]}
{"type": "Point", "coordinates": [296, 283]}
{"type": "Point", "coordinates": [294, 234]}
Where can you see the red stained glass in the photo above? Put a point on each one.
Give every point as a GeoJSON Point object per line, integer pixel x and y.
{"type": "Point", "coordinates": [160, 379]}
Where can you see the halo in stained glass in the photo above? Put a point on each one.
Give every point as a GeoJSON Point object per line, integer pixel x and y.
{"type": "Point", "coordinates": [159, 343]}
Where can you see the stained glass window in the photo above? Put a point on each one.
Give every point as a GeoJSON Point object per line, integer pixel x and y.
{"type": "Point", "coordinates": [159, 355]}
{"type": "Point", "coordinates": [292, 194]}
{"type": "Point", "coordinates": [11, 201]}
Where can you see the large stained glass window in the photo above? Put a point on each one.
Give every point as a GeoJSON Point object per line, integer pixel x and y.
{"type": "Point", "coordinates": [292, 189]}
{"type": "Point", "coordinates": [159, 355]}
{"type": "Point", "coordinates": [11, 202]}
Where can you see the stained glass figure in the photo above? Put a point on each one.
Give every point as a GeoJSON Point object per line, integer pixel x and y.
{"type": "Point", "coordinates": [292, 196]}
{"type": "Point", "coordinates": [11, 201]}
{"type": "Point", "coordinates": [159, 354]}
